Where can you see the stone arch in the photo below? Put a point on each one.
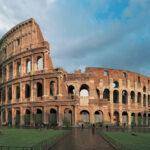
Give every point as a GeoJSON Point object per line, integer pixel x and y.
{"type": "Point", "coordinates": [27, 117]}
{"type": "Point", "coordinates": [144, 100]}
{"type": "Point", "coordinates": [133, 119]}
{"type": "Point", "coordinates": [52, 88]}
{"type": "Point", "coordinates": [28, 66]}
{"type": "Point", "coordinates": [17, 118]}
{"type": "Point", "coordinates": [132, 95]}
{"type": "Point", "coordinates": [124, 118]}
{"type": "Point", "coordinates": [98, 93]}
{"type": "Point", "coordinates": [98, 116]}
{"type": "Point", "coordinates": [148, 119]}
{"type": "Point", "coordinates": [68, 116]}
{"type": "Point", "coordinates": [144, 119]}
{"type": "Point", "coordinates": [124, 97]}
{"type": "Point", "coordinates": [38, 117]}
{"type": "Point", "coordinates": [84, 95]}
{"type": "Point", "coordinates": [144, 88]}
{"type": "Point", "coordinates": [139, 119]}
{"type": "Point", "coordinates": [139, 97]}
{"type": "Point", "coordinates": [17, 92]}
{"type": "Point", "coordinates": [116, 118]}
{"type": "Point", "coordinates": [115, 84]}
{"type": "Point", "coordinates": [9, 117]}
{"type": "Point", "coordinates": [106, 94]}
{"type": "Point", "coordinates": [40, 64]}
{"type": "Point", "coordinates": [116, 96]}
{"type": "Point", "coordinates": [71, 91]}
{"type": "Point", "coordinates": [53, 117]}
{"type": "Point", "coordinates": [39, 89]}
{"type": "Point", "coordinates": [27, 91]}
{"type": "Point", "coordinates": [85, 116]}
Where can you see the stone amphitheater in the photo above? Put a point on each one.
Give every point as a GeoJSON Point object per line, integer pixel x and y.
{"type": "Point", "coordinates": [32, 91]}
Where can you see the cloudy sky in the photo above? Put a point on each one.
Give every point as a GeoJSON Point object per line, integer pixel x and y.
{"type": "Point", "coordinates": [100, 33]}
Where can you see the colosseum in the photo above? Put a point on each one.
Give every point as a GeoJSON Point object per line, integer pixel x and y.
{"type": "Point", "coordinates": [32, 91]}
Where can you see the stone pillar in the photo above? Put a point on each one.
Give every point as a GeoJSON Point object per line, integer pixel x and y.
{"type": "Point", "coordinates": [120, 118]}
{"type": "Point", "coordinates": [6, 114]}
{"type": "Point", "coordinates": [32, 85]}
{"type": "Point", "coordinates": [129, 119]}
{"type": "Point", "coordinates": [13, 116]}
{"type": "Point", "coordinates": [33, 65]}
{"type": "Point", "coordinates": [13, 94]}
{"type": "Point", "coordinates": [92, 117]}
{"type": "Point", "coordinates": [46, 113]}
{"type": "Point", "coordinates": [22, 92]}
{"type": "Point", "coordinates": [59, 87]}
{"type": "Point", "coordinates": [60, 116]}
{"type": "Point", "coordinates": [22, 113]}
{"type": "Point", "coordinates": [46, 88]}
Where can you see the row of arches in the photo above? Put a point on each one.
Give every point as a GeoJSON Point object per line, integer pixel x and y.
{"type": "Point", "coordinates": [84, 91]}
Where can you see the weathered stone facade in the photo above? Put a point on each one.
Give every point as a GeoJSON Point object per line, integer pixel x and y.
{"type": "Point", "coordinates": [30, 86]}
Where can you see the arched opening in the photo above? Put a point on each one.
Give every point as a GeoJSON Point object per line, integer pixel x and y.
{"type": "Point", "coordinates": [27, 117]}
{"type": "Point", "coordinates": [28, 66]}
{"type": "Point", "coordinates": [139, 97]}
{"type": "Point", "coordinates": [124, 97]}
{"type": "Point", "coordinates": [148, 119]}
{"type": "Point", "coordinates": [115, 96]}
{"type": "Point", "coordinates": [53, 117]}
{"type": "Point", "coordinates": [106, 94]}
{"type": "Point", "coordinates": [18, 68]}
{"type": "Point", "coordinates": [38, 117]}
{"type": "Point", "coordinates": [39, 89]}
{"type": "Point", "coordinates": [115, 84]}
{"type": "Point", "coordinates": [71, 91]}
{"type": "Point", "coordinates": [9, 94]}
{"type": "Point", "coordinates": [27, 91]}
{"type": "Point", "coordinates": [133, 119]}
{"type": "Point", "coordinates": [116, 118]}
{"type": "Point", "coordinates": [9, 117]}
{"type": "Point", "coordinates": [17, 92]}
{"type": "Point", "coordinates": [84, 95]}
{"type": "Point", "coordinates": [68, 117]}
{"type": "Point", "coordinates": [132, 94]}
{"type": "Point", "coordinates": [124, 118]}
{"type": "Point", "coordinates": [144, 100]}
{"type": "Point", "coordinates": [98, 115]}
{"type": "Point", "coordinates": [85, 117]}
{"type": "Point", "coordinates": [144, 89]}
{"type": "Point", "coordinates": [139, 119]}
{"type": "Point", "coordinates": [144, 119]}
{"type": "Point", "coordinates": [52, 88]}
{"type": "Point", "coordinates": [98, 93]}
{"type": "Point", "coordinates": [39, 63]}
{"type": "Point", "coordinates": [3, 116]}
{"type": "Point", "coordinates": [17, 119]}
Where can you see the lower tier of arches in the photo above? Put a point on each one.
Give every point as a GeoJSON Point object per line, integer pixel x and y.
{"type": "Point", "coordinates": [58, 116]}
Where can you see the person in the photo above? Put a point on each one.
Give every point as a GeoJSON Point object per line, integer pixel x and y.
{"type": "Point", "coordinates": [82, 126]}
{"type": "Point", "coordinates": [93, 129]}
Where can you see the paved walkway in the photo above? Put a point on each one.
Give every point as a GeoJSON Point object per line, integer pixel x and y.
{"type": "Point", "coordinates": [82, 139]}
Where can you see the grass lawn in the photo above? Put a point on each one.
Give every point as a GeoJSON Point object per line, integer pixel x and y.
{"type": "Point", "coordinates": [27, 137]}
{"type": "Point", "coordinates": [139, 142]}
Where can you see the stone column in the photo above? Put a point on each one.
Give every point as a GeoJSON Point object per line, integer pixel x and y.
{"type": "Point", "coordinates": [91, 117]}
{"type": "Point", "coordinates": [13, 116]}
{"type": "Point", "coordinates": [60, 116]}
{"type": "Point", "coordinates": [120, 118]}
{"type": "Point", "coordinates": [22, 113]}
{"type": "Point", "coordinates": [46, 113]}
{"type": "Point", "coordinates": [46, 88]}
{"type": "Point", "coordinates": [129, 119]}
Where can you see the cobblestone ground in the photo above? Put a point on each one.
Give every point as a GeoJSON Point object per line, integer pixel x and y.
{"type": "Point", "coordinates": [82, 139]}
